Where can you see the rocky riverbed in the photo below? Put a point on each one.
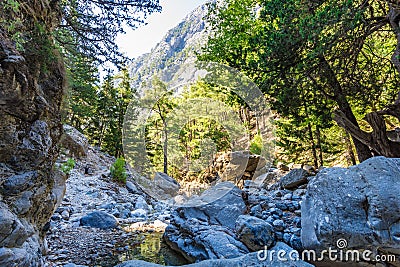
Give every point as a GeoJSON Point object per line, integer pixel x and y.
{"type": "Point", "coordinates": [99, 222]}
{"type": "Point", "coordinates": [102, 223]}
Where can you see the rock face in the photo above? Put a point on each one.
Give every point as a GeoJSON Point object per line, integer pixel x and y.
{"type": "Point", "coordinates": [178, 47]}
{"type": "Point", "coordinates": [250, 260]}
{"type": "Point", "coordinates": [360, 204]}
{"type": "Point", "coordinates": [75, 142]}
{"type": "Point", "coordinates": [204, 228]}
{"type": "Point", "coordinates": [30, 128]}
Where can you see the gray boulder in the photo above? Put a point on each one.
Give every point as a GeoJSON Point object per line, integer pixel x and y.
{"type": "Point", "coordinates": [255, 233]}
{"type": "Point", "coordinates": [294, 178]}
{"type": "Point", "coordinates": [255, 259]}
{"type": "Point", "coordinates": [99, 219]}
{"type": "Point", "coordinates": [204, 227]}
{"type": "Point", "coordinates": [235, 165]}
{"type": "Point", "coordinates": [75, 142]}
{"type": "Point", "coordinates": [166, 185]}
{"type": "Point", "coordinates": [131, 187]}
{"type": "Point", "coordinates": [360, 205]}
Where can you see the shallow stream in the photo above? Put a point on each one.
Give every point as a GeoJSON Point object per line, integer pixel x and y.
{"type": "Point", "coordinates": [147, 246]}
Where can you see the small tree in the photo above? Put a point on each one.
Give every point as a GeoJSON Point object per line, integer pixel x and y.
{"type": "Point", "coordinates": [68, 166]}
{"type": "Point", "coordinates": [118, 171]}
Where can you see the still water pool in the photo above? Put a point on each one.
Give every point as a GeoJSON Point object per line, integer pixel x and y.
{"type": "Point", "coordinates": [144, 246]}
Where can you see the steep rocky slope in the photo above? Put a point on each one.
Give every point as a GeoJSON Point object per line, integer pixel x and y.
{"type": "Point", "coordinates": [30, 128]}
{"type": "Point", "coordinates": [178, 47]}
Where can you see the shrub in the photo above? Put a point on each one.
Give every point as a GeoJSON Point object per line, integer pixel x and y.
{"type": "Point", "coordinates": [256, 145]}
{"type": "Point", "coordinates": [68, 166]}
{"type": "Point", "coordinates": [118, 171]}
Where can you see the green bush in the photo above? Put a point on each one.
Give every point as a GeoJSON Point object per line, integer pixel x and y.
{"type": "Point", "coordinates": [68, 166]}
{"type": "Point", "coordinates": [256, 145]}
{"type": "Point", "coordinates": [118, 171]}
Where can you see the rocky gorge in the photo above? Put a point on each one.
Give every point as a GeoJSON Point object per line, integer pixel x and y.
{"type": "Point", "coordinates": [80, 217]}
{"type": "Point", "coordinates": [99, 220]}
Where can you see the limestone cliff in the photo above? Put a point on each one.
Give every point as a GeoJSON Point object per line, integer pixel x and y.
{"type": "Point", "coordinates": [30, 128]}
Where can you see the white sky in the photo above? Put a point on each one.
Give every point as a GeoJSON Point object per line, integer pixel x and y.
{"type": "Point", "coordinates": [142, 40]}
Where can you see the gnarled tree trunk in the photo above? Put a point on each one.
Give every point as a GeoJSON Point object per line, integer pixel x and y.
{"type": "Point", "coordinates": [378, 140]}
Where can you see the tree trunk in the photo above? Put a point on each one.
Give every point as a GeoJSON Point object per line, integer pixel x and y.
{"type": "Point", "coordinates": [319, 146]}
{"type": "Point", "coordinates": [165, 146]}
{"type": "Point", "coordinates": [377, 140]}
{"type": "Point", "coordinates": [363, 151]}
{"type": "Point", "coordinates": [351, 157]}
{"type": "Point", "coordinates": [314, 151]}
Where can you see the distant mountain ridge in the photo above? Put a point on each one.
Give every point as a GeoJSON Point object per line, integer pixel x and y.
{"type": "Point", "coordinates": [178, 47]}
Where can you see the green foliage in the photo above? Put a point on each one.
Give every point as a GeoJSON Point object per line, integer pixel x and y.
{"type": "Point", "coordinates": [118, 171]}
{"type": "Point", "coordinates": [91, 27]}
{"type": "Point", "coordinates": [187, 141]}
{"type": "Point", "coordinates": [98, 110]}
{"type": "Point", "coordinates": [68, 166]}
{"type": "Point", "coordinates": [256, 145]}
{"type": "Point", "coordinates": [309, 58]}
{"type": "Point", "coordinates": [158, 99]}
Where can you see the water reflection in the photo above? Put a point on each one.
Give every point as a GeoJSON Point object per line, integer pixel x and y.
{"type": "Point", "coordinates": [144, 246]}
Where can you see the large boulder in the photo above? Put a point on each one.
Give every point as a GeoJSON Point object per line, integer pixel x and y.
{"type": "Point", "coordinates": [239, 164]}
{"type": "Point", "coordinates": [99, 219]}
{"type": "Point", "coordinates": [256, 259]}
{"type": "Point", "coordinates": [294, 178]}
{"type": "Point", "coordinates": [204, 227]}
{"type": "Point", "coordinates": [166, 184]}
{"type": "Point", "coordinates": [74, 141]}
{"type": "Point", "coordinates": [354, 208]}
{"type": "Point", "coordinates": [30, 129]}
{"type": "Point", "coordinates": [255, 233]}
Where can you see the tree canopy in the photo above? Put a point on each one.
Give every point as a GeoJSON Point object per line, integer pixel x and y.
{"type": "Point", "coordinates": [314, 59]}
{"type": "Point", "coordinates": [87, 27]}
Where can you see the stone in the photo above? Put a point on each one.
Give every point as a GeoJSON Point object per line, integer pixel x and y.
{"type": "Point", "coordinates": [279, 225]}
{"type": "Point", "coordinates": [141, 213]}
{"type": "Point", "coordinates": [267, 179]}
{"type": "Point", "coordinates": [267, 258]}
{"type": "Point", "coordinates": [166, 184]}
{"type": "Point", "coordinates": [18, 183]}
{"type": "Point", "coordinates": [283, 167]}
{"type": "Point", "coordinates": [294, 178]}
{"type": "Point", "coordinates": [65, 215]}
{"type": "Point", "coordinates": [131, 187]}
{"type": "Point", "coordinates": [99, 219]}
{"type": "Point", "coordinates": [360, 205]}
{"type": "Point", "coordinates": [232, 166]}
{"type": "Point", "coordinates": [13, 231]}
{"type": "Point", "coordinates": [23, 203]}
{"type": "Point", "coordinates": [255, 233]}
{"type": "Point", "coordinates": [204, 227]}
{"type": "Point", "coordinates": [141, 204]}
{"type": "Point", "coordinates": [74, 141]}
{"type": "Point", "coordinates": [295, 242]}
